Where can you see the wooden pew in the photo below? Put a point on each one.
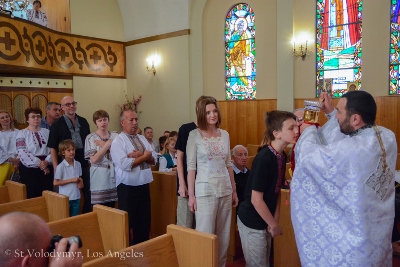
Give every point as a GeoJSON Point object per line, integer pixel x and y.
{"type": "Point", "coordinates": [163, 202]}
{"type": "Point", "coordinates": [180, 246]}
{"type": "Point", "coordinates": [285, 249]}
{"type": "Point", "coordinates": [50, 206]}
{"type": "Point", "coordinates": [12, 191]}
{"type": "Point", "coordinates": [103, 230]}
{"type": "Point", "coordinates": [398, 162]}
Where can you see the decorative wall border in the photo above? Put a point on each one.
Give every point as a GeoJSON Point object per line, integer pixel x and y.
{"type": "Point", "coordinates": [43, 83]}
{"type": "Point", "coordinates": [24, 44]}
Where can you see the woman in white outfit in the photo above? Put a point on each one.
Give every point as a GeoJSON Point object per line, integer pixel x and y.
{"type": "Point", "coordinates": [9, 161]}
{"type": "Point", "coordinates": [212, 191]}
{"type": "Point", "coordinates": [97, 151]}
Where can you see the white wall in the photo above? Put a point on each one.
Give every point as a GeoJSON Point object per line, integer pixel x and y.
{"type": "Point", "coordinates": [153, 17]}
{"type": "Point", "coordinates": [165, 97]}
{"type": "Point", "coordinates": [100, 19]}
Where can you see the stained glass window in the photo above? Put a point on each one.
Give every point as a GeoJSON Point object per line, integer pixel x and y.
{"type": "Point", "coordinates": [339, 49]}
{"type": "Point", "coordinates": [240, 53]}
{"type": "Point", "coordinates": [394, 48]}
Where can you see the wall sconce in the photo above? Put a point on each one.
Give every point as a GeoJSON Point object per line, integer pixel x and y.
{"type": "Point", "coordinates": [301, 52]}
{"type": "Point", "coordinates": [152, 60]}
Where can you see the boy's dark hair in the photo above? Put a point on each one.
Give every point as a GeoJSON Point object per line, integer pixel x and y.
{"type": "Point", "coordinates": [274, 122]}
{"type": "Point", "coordinates": [64, 145]}
{"type": "Point", "coordinates": [361, 103]}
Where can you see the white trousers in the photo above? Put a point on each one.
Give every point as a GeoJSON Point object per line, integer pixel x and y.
{"type": "Point", "coordinates": [213, 216]}
{"type": "Point", "coordinates": [256, 245]}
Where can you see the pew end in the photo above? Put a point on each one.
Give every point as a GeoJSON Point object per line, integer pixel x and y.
{"type": "Point", "coordinates": [12, 191]}
{"type": "Point", "coordinates": [103, 230]}
{"type": "Point", "coordinates": [50, 206]}
{"type": "Point", "coordinates": [178, 247]}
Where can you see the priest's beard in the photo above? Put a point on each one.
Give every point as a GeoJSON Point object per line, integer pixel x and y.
{"type": "Point", "coordinates": [345, 126]}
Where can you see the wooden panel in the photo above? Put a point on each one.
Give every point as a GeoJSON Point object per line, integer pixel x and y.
{"type": "Point", "coordinates": [285, 249]}
{"type": "Point", "coordinates": [16, 191]}
{"type": "Point", "coordinates": [4, 197]}
{"type": "Point", "coordinates": [398, 162]}
{"type": "Point", "coordinates": [163, 202]}
{"type": "Point", "coordinates": [58, 14]}
{"type": "Point", "coordinates": [250, 162]}
{"type": "Point", "coordinates": [245, 127]}
{"type": "Point", "coordinates": [109, 220]}
{"type": "Point", "coordinates": [12, 191]}
{"type": "Point", "coordinates": [194, 248]}
{"type": "Point", "coordinates": [157, 252]}
{"type": "Point", "coordinates": [29, 46]}
{"type": "Point", "coordinates": [87, 227]}
{"type": "Point", "coordinates": [252, 149]}
{"type": "Point", "coordinates": [231, 257]}
{"type": "Point", "coordinates": [57, 205]}
{"type": "Point", "coordinates": [56, 97]}
{"type": "Point", "coordinates": [34, 205]}
{"type": "Point", "coordinates": [244, 120]}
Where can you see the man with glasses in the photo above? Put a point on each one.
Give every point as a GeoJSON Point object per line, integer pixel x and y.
{"type": "Point", "coordinates": [74, 127]}
{"type": "Point", "coordinates": [53, 113]}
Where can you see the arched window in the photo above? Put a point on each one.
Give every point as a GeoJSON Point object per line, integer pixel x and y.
{"type": "Point", "coordinates": [339, 51]}
{"type": "Point", "coordinates": [240, 53]}
{"type": "Point", "coordinates": [394, 48]}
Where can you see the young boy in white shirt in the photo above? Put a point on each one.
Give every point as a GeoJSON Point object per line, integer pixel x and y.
{"type": "Point", "coordinates": [68, 176]}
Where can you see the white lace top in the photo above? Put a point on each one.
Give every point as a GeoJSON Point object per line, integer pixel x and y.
{"type": "Point", "coordinates": [210, 157]}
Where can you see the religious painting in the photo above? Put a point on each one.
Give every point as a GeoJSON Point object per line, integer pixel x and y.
{"type": "Point", "coordinates": [339, 47]}
{"type": "Point", "coordinates": [394, 48]}
{"type": "Point", "coordinates": [351, 86]}
{"type": "Point", "coordinates": [240, 53]}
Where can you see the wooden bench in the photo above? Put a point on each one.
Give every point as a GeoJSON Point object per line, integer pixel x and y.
{"type": "Point", "coordinates": [180, 246]}
{"type": "Point", "coordinates": [12, 191]}
{"type": "Point", "coordinates": [50, 206]}
{"type": "Point", "coordinates": [285, 249]}
{"type": "Point", "coordinates": [103, 230]}
{"type": "Point", "coordinates": [163, 202]}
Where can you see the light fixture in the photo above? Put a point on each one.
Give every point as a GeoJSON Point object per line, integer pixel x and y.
{"type": "Point", "coordinates": [153, 61]}
{"type": "Point", "coordinates": [302, 50]}
{"type": "Point", "coordinates": [11, 6]}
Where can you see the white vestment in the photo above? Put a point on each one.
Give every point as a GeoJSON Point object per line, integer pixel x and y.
{"type": "Point", "coordinates": [342, 204]}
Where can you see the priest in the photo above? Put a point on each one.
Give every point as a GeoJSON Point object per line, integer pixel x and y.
{"type": "Point", "coordinates": [342, 192]}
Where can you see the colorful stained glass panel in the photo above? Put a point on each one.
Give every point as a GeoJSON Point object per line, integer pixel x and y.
{"type": "Point", "coordinates": [240, 53]}
{"type": "Point", "coordinates": [339, 50]}
{"type": "Point", "coordinates": [394, 88]}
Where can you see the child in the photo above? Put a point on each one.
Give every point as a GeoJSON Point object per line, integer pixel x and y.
{"type": "Point", "coordinates": [68, 176]}
{"type": "Point", "coordinates": [258, 215]}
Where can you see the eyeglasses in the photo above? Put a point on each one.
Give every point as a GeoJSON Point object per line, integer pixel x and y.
{"type": "Point", "coordinates": [35, 117]}
{"type": "Point", "coordinates": [71, 104]}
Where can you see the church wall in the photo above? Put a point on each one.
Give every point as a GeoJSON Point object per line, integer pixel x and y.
{"type": "Point", "coordinates": [100, 19]}
{"type": "Point", "coordinates": [165, 96]}
{"type": "Point", "coordinates": [153, 17]}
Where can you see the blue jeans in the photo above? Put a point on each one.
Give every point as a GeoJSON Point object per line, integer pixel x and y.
{"type": "Point", "coordinates": [74, 207]}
